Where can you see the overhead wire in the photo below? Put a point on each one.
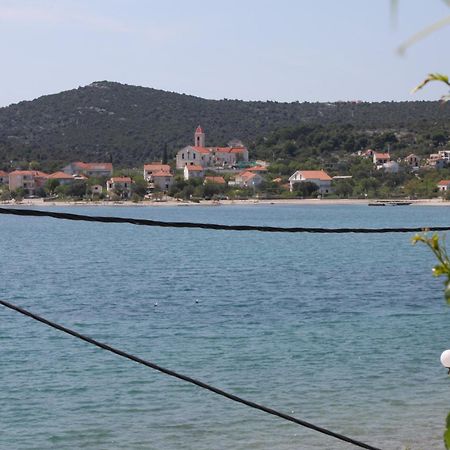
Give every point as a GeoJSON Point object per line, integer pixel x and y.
{"type": "Point", "coordinates": [212, 226]}
{"type": "Point", "coordinates": [187, 378]}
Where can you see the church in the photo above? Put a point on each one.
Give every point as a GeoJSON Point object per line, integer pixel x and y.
{"type": "Point", "coordinates": [210, 157]}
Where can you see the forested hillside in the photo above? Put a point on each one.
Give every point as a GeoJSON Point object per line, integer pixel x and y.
{"type": "Point", "coordinates": [130, 124]}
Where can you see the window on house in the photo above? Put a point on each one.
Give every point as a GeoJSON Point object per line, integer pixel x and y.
{"type": "Point", "coordinates": [193, 155]}
{"type": "Point", "coordinates": [182, 156]}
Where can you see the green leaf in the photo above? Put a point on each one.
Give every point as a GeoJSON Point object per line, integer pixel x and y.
{"type": "Point", "coordinates": [439, 270]}
{"type": "Point", "coordinates": [432, 77]}
{"type": "Point", "coordinates": [447, 434]}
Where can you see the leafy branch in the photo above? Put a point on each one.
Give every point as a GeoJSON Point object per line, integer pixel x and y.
{"type": "Point", "coordinates": [434, 77]}
{"type": "Point", "coordinates": [437, 246]}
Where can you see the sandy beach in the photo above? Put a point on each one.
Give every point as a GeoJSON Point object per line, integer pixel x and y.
{"type": "Point", "coordinates": [39, 202]}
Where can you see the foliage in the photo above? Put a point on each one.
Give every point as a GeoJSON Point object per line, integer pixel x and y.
{"type": "Point", "coordinates": [130, 125]}
{"type": "Point", "coordinates": [305, 188]}
{"type": "Point", "coordinates": [439, 249]}
{"type": "Point", "coordinates": [447, 433]}
{"type": "Point", "coordinates": [434, 77]}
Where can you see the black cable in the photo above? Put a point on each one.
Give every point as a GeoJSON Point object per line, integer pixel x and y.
{"type": "Point", "coordinates": [211, 226]}
{"type": "Point", "coordinates": [199, 383]}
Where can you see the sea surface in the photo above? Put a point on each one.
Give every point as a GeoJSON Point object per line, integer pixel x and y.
{"type": "Point", "coordinates": [344, 331]}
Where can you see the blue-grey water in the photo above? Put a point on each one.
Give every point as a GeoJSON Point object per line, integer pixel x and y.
{"type": "Point", "coordinates": [344, 331]}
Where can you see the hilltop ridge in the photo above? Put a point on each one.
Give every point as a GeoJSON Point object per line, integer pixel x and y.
{"type": "Point", "coordinates": [131, 124]}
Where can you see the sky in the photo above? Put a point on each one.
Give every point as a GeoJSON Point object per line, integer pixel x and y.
{"type": "Point", "coordinates": [280, 50]}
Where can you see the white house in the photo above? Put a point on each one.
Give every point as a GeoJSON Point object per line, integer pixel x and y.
{"type": "Point", "coordinates": [443, 185]}
{"type": "Point", "coordinates": [120, 185]}
{"type": "Point", "coordinates": [153, 168]}
{"type": "Point", "coordinates": [437, 161]}
{"type": "Point", "coordinates": [318, 177]}
{"type": "Point", "coordinates": [380, 158]}
{"type": "Point", "coordinates": [193, 172]}
{"type": "Point", "coordinates": [248, 179]}
{"type": "Point", "coordinates": [162, 180]}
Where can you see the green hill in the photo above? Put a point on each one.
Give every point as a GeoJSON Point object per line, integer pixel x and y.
{"type": "Point", "coordinates": [131, 125]}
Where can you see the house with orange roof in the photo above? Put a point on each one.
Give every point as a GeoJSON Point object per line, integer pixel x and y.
{"type": "Point", "coordinates": [216, 180]}
{"type": "Point", "coordinates": [28, 180]}
{"type": "Point", "coordinates": [153, 168]}
{"type": "Point", "coordinates": [318, 177]}
{"type": "Point", "coordinates": [4, 177]}
{"type": "Point", "coordinates": [162, 180]}
{"type": "Point", "coordinates": [379, 159]}
{"type": "Point", "coordinates": [89, 169]}
{"type": "Point", "coordinates": [248, 179]}
{"type": "Point", "coordinates": [193, 171]}
{"type": "Point", "coordinates": [61, 177]}
{"type": "Point", "coordinates": [444, 185]}
{"type": "Point", "coordinates": [200, 155]}
{"type": "Point", "coordinates": [121, 186]}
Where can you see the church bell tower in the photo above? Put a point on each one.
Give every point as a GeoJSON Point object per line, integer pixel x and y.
{"type": "Point", "coordinates": [199, 137]}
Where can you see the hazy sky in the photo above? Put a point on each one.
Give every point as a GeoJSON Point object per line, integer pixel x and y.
{"type": "Point", "coordinates": [285, 50]}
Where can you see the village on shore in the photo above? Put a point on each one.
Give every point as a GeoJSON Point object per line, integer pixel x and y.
{"type": "Point", "coordinates": [201, 172]}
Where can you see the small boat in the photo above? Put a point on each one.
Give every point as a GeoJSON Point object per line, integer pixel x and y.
{"type": "Point", "coordinates": [390, 203]}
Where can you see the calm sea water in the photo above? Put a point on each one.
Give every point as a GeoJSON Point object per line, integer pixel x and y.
{"type": "Point", "coordinates": [341, 330]}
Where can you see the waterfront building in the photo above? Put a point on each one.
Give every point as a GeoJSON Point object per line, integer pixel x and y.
{"type": "Point", "coordinates": [155, 167]}
{"type": "Point", "coordinates": [162, 180]}
{"type": "Point", "coordinates": [89, 169]}
{"type": "Point", "coordinates": [119, 185]}
{"type": "Point", "coordinates": [28, 180]}
{"type": "Point", "coordinates": [248, 179]}
{"type": "Point", "coordinates": [318, 177]}
{"type": "Point", "coordinates": [62, 178]}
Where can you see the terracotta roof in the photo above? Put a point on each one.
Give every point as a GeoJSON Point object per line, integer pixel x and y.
{"type": "Point", "coordinates": [34, 173]}
{"type": "Point", "coordinates": [162, 173]}
{"type": "Point", "coordinates": [201, 149]}
{"type": "Point", "coordinates": [257, 169]}
{"type": "Point", "coordinates": [195, 168]}
{"type": "Point", "coordinates": [315, 174]}
{"type": "Point", "coordinates": [120, 179]}
{"type": "Point", "coordinates": [246, 176]}
{"type": "Point", "coordinates": [382, 155]}
{"type": "Point", "coordinates": [157, 167]}
{"type": "Point", "coordinates": [198, 129]}
{"type": "Point", "coordinates": [444, 182]}
{"type": "Point", "coordinates": [3, 173]}
{"type": "Point", "coordinates": [222, 149]}
{"type": "Point", "coordinates": [218, 180]}
{"type": "Point", "coordinates": [60, 176]}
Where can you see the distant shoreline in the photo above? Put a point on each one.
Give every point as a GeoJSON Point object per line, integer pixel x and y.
{"type": "Point", "coordinates": [40, 203]}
